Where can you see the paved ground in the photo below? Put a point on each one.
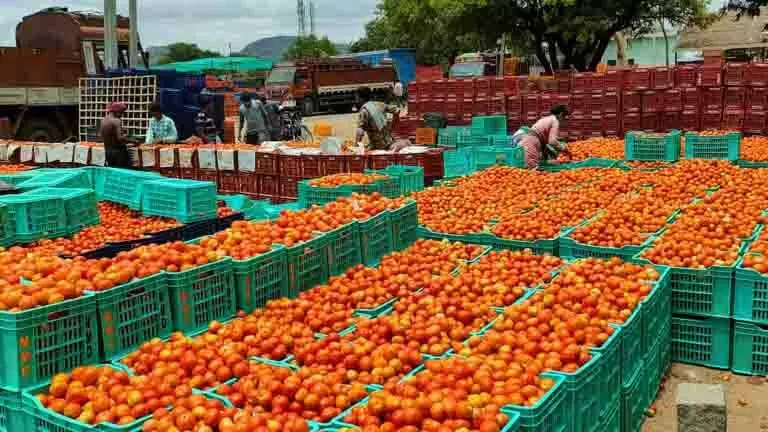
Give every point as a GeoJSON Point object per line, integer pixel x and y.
{"type": "Point", "coordinates": [746, 397]}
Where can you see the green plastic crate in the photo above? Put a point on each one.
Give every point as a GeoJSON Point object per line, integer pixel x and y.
{"type": "Point", "coordinates": [751, 164]}
{"type": "Point", "coordinates": [307, 265]}
{"type": "Point", "coordinates": [7, 227]}
{"type": "Point", "coordinates": [201, 295]}
{"type": "Point", "coordinates": [375, 238]}
{"type": "Point", "coordinates": [12, 418]}
{"type": "Point", "coordinates": [456, 163]}
{"type": "Point", "coordinates": [702, 292]}
{"type": "Point", "coordinates": [449, 137]}
{"type": "Point", "coordinates": [489, 125]}
{"type": "Point", "coordinates": [80, 206]}
{"type": "Point", "coordinates": [642, 146]}
{"type": "Point", "coordinates": [574, 249]}
{"type": "Point", "coordinates": [750, 295]}
{"type": "Point", "coordinates": [71, 179]}
{"type": "Point", "coordinates": [657, 309]}
{"type": "Point", "coordinates": [750, 348]}
{"type": "Point", "coordinates": [653, 372]}
{"type": "Point", "coordinates": [633, 398]}
{"type": "Point", "coordinates": [36, 217]}
{"type": "Point", "coordinates": [184, 200]}
{"type": "Point", "coordinates": [18, 178]}
{"type": "Point", "coordinates": [726, 146]}
{"type": "Point", "coordinates": [405, 222]}
{"type": "Point", "coordinates": [702, 341]}
{"type": "Point", "coordinates": [610, 377]}
{"type": "Point", "coordinates": [586, 163]}
{"type": "Point", "coordinates": [540, 247]}
{"type": "Point", "coordinates": [477, 238]}
{"type": "Point", "coordinates": [311, 195]}
{"type": "Point", "coordinates": [407, 178]}
{"type": "Point", "coordinates": [583, 391]}
{"type": "Point", "coordinates": [123, 186]}
{"type": "Point", "coordinates": [260, 279]}
{"type": "Point", "coordinates": [132, 314]}
{"type": "Point", "coordinates": [41, 342]}
{"type": "Point", "coordinates": [343, 248]}
{"type": "Point", "coordinates": [611, 422]}
{"type": "Point", "coordinates": [550, 414]}
{"type": "Point", "coordinates": [631, 345]}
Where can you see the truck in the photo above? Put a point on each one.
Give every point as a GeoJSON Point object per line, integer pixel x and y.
{"type": "Point", "coordinates": [39, 76]}
{"type": "Point", "coordinates": [327, 84]}
{"type": "Point", "coordinates": [403, 59]}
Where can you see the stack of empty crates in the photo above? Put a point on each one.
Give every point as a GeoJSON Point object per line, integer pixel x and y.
{"type": "Point", "coordinates": [96, 94]}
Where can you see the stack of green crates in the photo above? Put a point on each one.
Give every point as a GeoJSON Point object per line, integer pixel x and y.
{"type": "Point", "coordinates": [184, 200]}
{"type": "Point", "coordinates": [456, 163]}
{"type": "Point", "coordinates": [449, 137]}
{"type": "Point", "coordinates": [651, 147]}
{"type": "Point", "coordinates": [122, 186]}
{"type": "Point", "coordinates": [489, 125]}
{"type": "Point", "coordinates": [36, 217]}
{"type": "Point", "coordinates": [80, 206]}
{"type": "Point", "coordinates": [405, 179]}
{"type": "Point", "coordinates": [64, 178]}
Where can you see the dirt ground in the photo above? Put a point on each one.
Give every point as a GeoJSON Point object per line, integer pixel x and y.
{"type": "Point", "coordinates": [746, 399]}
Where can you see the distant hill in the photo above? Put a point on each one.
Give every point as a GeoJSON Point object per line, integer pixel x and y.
{"type": "Point", "coordinates": [273, 47]}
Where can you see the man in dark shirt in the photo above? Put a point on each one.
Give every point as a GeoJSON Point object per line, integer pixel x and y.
{"type": "Point", "coordinates": [205, 127]}
{"type": "Point", "coordinates": [115, 141]}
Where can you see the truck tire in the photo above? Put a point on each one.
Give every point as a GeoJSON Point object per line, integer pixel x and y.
{"type": "Point", "coordinates": [308, 106]}
{"type": "Point", "coordinates": [40, 130]}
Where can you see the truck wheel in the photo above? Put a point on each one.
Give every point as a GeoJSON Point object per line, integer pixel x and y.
{"type": "Point", "coordinates": [308, 106]}
{"type": "Point", "coordinates": [40, 131]}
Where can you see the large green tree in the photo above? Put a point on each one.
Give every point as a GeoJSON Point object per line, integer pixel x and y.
{"type": "Point", "coordinates": [182, 51]}
{"type": "Point", "coordinates": [310, 47]}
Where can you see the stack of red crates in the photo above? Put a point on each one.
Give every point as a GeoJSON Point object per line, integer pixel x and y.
{"type": "Point", "coordinates": [734, 96]}
{"type": "Point", "coordinates": [756, 103]}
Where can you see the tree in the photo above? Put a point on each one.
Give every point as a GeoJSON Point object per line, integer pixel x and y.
{"type": "Point", "coordinates": [310, 47]}
{"type": "Point", "coordinates": [182, 51]}
{"type": "Point", "coordinates": [579, 29]}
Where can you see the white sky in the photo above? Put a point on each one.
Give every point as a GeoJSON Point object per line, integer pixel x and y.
{"type": "Point", "coordinates": [212, 24]}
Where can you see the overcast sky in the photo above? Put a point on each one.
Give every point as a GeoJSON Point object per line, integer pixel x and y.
{"type": "Point", "coordinates": [212, 24]}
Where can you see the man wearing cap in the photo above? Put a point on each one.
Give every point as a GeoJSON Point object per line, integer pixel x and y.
{"type": "Point", "coordinates": [115, 141]}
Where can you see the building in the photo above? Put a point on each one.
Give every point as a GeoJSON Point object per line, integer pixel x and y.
{"type": "Point", "coordinates": [649, 49]}
{"type": "Point", "coordinates": [742, 39]}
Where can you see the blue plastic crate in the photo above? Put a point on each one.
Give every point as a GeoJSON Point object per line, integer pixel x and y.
{"type": "Point", "coordinates": [726, 146]}
{"type": "Point", "coordinates": [184, 200]}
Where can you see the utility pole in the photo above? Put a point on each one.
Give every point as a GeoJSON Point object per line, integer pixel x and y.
{"type": "Point", "coordinates": [133, 50]}
{"type": "Point", "coordinates": [301, 14]}
{"type": "Point", "coordinates": [110, 34]}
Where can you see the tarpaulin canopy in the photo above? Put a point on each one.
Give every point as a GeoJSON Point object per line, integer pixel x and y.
{"type": "Point", "coordinates": [238, 64]}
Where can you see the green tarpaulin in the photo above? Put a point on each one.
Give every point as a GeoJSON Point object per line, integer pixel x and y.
{"type": "Point", "coordinates": [239, 64]}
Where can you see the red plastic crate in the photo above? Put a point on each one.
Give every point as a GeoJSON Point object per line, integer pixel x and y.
{"type": "Point", "coordinates": [497, 105]}
{"type": "Point", "coordinates": [483, 87]}
{"type": "Point", "coordinates": [452, 109]}
{"type": "Point", "coordinates": [710, 76]}
{"type": "Point", "coordinates": [208, 175]}
{"type": "Point", "coordinates": [757, 98]}
{"type": "Point", "coordinates": [188, 173]}
{"type": "Point", "coordinates": [689, 121]}
{"type": "Point", "coordinates": [651, 122]}
{"type": "Point", "coordinates": [267, 163]}
{"type": "Point", "coordinates": [467, 88]}
{"type": "Point", "coordinates": [170, 172]}
{"type": "Point", "coordinates": [687, 76]}
{"type": "Point", "coordinates": [481, 106]}
{"type": "Point", "coordinates": [663, 78]}
{"type": "Point", "coordinates": [332, 164]}
{"type": "Point", "coordinates": [229, 182]}
{"type": "Point", "coordinates": [711, 98]}
{"type": "Point", "coordinates": [592, 126]}
{"type": "Point", "coordinates": [454, 88]}
{"type": "Point", "coordinates": [530, 118]}
{"type": "Point", "coordinates": [414, 108]}
{"type": "Point", "coordinates": [381, 161]}
{"type": "Point", "coordinates": [497, 86]}
{"type": "Point", "coordinates": [638, 79]}
{"type": "Point", "coordinates": [690, 98]}
{"type": "Point", "coordinates": [670, 120]}
{"type": "Point", "coordinates": [269, 186]}
{"type": "Point", "coordinates": [594, 104]}
{"type": "Point", "coordinates": [413, 90]}
{"type": "Point", "coordinates": [514, 106]}
{"type": "Point", "coordinates": [733, 120]}
{"type": "Point", "coordinates": [290, 165]}
{"type": "Point", "coordinates": [757, 75]}
{"type": "Point", "coordinates": [547, 86]}
{"type": "Point", "coordinates": [611, 125]}
{"type": "Point", "coordinates": [514, 123]}
{"type": "Point", "coordinates": [710, 120]}
{"type": "Point", "coordinates": [439, 89]}
{"type": "Point", "coordinates": [512, 85]}
{"type": "Point", "coordinates": [673, 100]}
{"type": "Point", "coordinates": [735, 98]}
{"type": "Point", "coordinates": [755, 122]}
{"type": "Point", "coordinates": [735, 74]}
{"type": "Point", "coordinates": [613, 80]}
{"type": "Point", "coordinates": [611, 103]}
{"type": "Point", "coordinates": [582, 82]}
{"type": "Point", "coordinates": [631, 101]}
{"type": "Point", "coordinates": [289, 187]}
{"type": "Point", "coordinates": [563, 81]}
{"type": "Point", "coordinates": [531, 104]}
{"type": "Point", "coordinates": [653, 101]}
{"type": "Point", "coordinates": [431, 162]}
{"type": "Point", "coordinates": [248, 184]}
{"type": "Point", "coordinates": [357, 163]}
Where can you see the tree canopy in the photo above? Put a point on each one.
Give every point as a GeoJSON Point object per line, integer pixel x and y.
{"type": "Point", "coordinates": [310, 47]}
{"type": "Point", "coordinates": [180, 52]}
{"type": "Point", "coordinates": [578, 31]}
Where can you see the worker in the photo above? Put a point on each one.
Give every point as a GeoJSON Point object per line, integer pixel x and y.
{"type": "Point", "coordinates": [373, 121]}
{"type": "Point", "coordinates": [205, 126]}
{"type": "Point", "coordinates": [398, 93]}
{"type": "Point", "coordinates": [115, 141]}
{"type": "Point", "coordinates": [541, 142]}
{"type": "Point", "coordinates": [162, 129]}
{"type": "Point", "coordinates": [254, 122]}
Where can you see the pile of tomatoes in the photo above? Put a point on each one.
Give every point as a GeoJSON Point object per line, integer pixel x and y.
{"type": "Point", "coordinates": [336, 180]}
{"type": "Point", "coordinates": [599, 147]}
{"type": "Point", "coordinates": [13, 168]}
